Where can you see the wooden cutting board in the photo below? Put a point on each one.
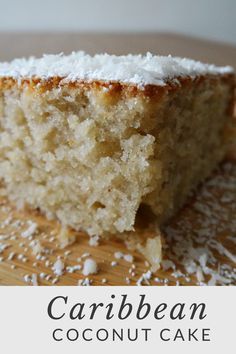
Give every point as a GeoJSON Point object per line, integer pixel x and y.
{"type": "Point", "coordinates": [208, 217]}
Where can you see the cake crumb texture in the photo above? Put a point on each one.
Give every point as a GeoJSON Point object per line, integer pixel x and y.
{"type": "Point", "coordinates": [100, 154]}
{"type": "Point", "coordinates": [91, 154]}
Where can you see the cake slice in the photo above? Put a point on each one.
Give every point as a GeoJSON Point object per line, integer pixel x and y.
{"type": "Point", "coordinates": [90, 140]}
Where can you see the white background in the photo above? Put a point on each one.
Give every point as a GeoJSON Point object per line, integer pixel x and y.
{"type": "Point", "coordinates": [26, 328]}
{"type": "Point", "coordinates": [212, 19]}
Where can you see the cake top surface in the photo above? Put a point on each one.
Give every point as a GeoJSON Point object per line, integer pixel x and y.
{"type": "Point", "coordinates": [132, 69]}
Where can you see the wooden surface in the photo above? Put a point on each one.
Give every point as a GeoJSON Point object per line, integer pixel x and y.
{"type": "Point", "coordinates": [23, 264]}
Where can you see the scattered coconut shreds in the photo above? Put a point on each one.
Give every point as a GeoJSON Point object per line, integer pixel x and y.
{"type": "Point", "coordinates": [72, 269]}
{"type": "Point", "coordinates": [85, 282]}
{"type": "Point", "coordinates": [34, 279]}
{"type": "Point", "coordinates": [54, 281]}
{"type": "Point", "coordinates": [36, 247]}
{"type": "Point", "coordinates": [199, 275]}
{"type": "Point", "coordinates": [145, 277]}
{"type": "Point", "coordinates": [31, 279]}
{"type": "Point", "coordinates": [195, 249]}
{"type": "Point", "coordinates": [31, 230]}
{"type": "Point", "coordinates": [199, 245]}
{"type": "Point", "coordinates": [21, 257]}
{"type": "Point", "coordinates": [47, 263]}
{"type": "Point", "coordinates": [90, 267]}
{"type": "Point", "coordinates": [223, 251]}
{"type": "Point", "coordinates": [27, 278]}
{"type": "Point", "coordinates": [67, 253]}
{"type": "Point", "coordinates": [3, 246]}
{"type": "Point", "coordinates": [85, 255]}
{"type": "Point", "coordinates": [118, 255]}
{"type": "Point", "coordinates": [127, 257]}
{"type": "Point", "coordinates": [127, 280]}
{"type": "Point", "coordinates": [58, 267]}
{"type": "Point", "coordinates": [3, 237]}
{"type": "Point", "coordinates": [11, 256]}
{"type": "Point", "coordinates": [152, 251]}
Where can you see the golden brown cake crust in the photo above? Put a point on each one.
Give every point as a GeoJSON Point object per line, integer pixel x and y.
{"type": "Point", "coordinates": [114, 88]}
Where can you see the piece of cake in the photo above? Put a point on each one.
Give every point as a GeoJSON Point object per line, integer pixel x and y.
{"type": "Point", "coordinates": [90, 140]}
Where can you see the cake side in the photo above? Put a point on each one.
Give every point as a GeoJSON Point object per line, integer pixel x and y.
{"type": "Point", "coordinates": [64, 149]}
{"type": "Point", "coordinates": [90, 153]}
{"type": "Point", "coordinates": [197, 137]}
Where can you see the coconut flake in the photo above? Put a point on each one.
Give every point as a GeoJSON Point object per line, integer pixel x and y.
{"type": "Point", "coordinates": [90, 267]}
{"type": "Point", "coordinates": [30, 231]}
{"type": "Point", "coordinates": [58, 267]}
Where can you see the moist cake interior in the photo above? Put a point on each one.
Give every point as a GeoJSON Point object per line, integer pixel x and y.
{"type": "Point", "coordinates": [89, 152]}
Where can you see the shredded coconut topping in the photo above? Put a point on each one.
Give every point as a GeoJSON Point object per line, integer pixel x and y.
{"type": "Point", "coordinates": [131, 69]}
